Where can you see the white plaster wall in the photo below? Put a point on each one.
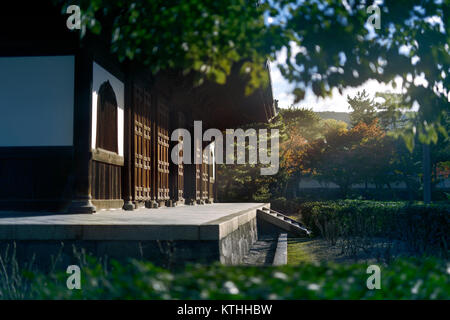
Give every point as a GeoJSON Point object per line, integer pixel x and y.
{"type": "Point", "coordinates": [36, 101]}
{"type": "Point", "coordinates": [100, 75]}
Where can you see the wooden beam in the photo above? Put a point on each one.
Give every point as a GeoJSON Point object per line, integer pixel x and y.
{"type": "Point", "coordinates": [106, 156]}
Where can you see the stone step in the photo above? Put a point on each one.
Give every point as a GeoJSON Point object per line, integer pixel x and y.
{"type": "Point", "coordinates": [283, 222]}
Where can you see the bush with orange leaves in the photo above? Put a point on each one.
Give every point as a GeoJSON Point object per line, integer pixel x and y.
{"type": "Point", "coordinates": [362, 154]}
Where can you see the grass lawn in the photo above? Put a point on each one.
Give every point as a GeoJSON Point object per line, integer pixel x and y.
{"type": "Point", "coordinates": [378, 250]}
{"type": "Point", "coordinates": [298, 252]}
{"type": "Point", "coordinates": [304, 250]}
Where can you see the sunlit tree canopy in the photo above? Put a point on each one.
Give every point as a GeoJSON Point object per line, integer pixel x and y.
{"type": "Point", "coordinates": [329, 44]}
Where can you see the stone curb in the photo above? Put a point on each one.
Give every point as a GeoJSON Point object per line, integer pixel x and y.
{"type": "Point", "coordinates": [280, 257]}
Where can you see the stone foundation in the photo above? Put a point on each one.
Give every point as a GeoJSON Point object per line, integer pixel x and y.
{"type": "Point", "coordinates": [226, 239]}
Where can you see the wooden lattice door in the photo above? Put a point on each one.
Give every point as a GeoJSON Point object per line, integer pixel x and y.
{"type": "Point", "coordinates": [177, 167]}
{"type": "Point", "coordinates": [162, 125]}
{"type": "Point", "coordinates": [198, 170]}
{"type": "Point", "coordinates": [180, 176]}
{"type": "Point", "coordinates": [211, 169]}
{"type": "Point", "coordinates": [142, 144]}
{"type": "Point", "coordinates": [205, 174]}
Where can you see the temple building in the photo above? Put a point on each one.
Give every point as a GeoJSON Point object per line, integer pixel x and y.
{"type": "Point", "coordinates": [81, 131]}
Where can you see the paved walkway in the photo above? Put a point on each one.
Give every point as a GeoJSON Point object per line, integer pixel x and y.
{"type": "Point", "coordinates": [202, 222]}
{"type": "Point", "coordinates": [180, 215]}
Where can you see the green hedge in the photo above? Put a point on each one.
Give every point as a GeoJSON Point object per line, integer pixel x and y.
{"type": "Point", "coordinates": [424, 227]}
{"type": "Point", "coordinates": [403, 279]}
{"type": "Point", "coordinates": [289, 207]}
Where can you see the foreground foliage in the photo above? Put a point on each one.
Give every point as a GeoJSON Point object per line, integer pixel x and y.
{"type": "Point", "coordinates": [426, 278]}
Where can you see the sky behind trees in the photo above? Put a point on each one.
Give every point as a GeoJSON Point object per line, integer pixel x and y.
{"type": "Point", "coordinates": [282, 91]}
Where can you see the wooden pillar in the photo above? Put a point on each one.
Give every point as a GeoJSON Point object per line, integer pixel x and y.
{"type": "Point", "coordinates": [154, 158]}
{"type": "Point", "coordinates": [162, 154]}
{"type": "Point", "coordinates": [128, 142]}
{"type": "Point", "coordinates": [81, 193]}
{"type": "Point", "coordinates": [211, 174]}
{"type": "Point", "coordinates": [205, 173]}
{"type": "Point", "coordinates": [192, 172]}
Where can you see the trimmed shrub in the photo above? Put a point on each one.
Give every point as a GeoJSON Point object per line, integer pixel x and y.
{"type": "Point", "coordinates": [424, 227]}
{"type": "Point", "coordinates": [285, 206]}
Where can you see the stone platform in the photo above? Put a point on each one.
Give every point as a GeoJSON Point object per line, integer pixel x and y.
{"type": "Point", "coordinates": [204, 233]}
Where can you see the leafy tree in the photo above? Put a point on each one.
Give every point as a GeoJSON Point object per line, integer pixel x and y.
{"type": "Point", "coordinates": [374, 154]}
{"type": "Point", "coordinates": [333, 125]}
{"type": "Point", "coordinates": [301, 126]}
{"type": "Point", "coordinates": [440, 152]}
{"type": "Point", "coordinates": [391, 111]}
{"type": "Point", "coordinates": [347, 157]}
{"type": "Point", "coordinates": [329, 44]}
{"type": "Point", "coordinates": [244, 182]}
{"type": "Point", "coordinates": [297, 126]}
{"type": "Point", "coordinates": [407, 167]}
{"type": "Point", "coordinates": [363, 108]}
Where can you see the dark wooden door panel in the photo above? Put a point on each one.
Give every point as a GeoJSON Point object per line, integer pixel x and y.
{"type": "Point", "coordinates": [176, 168]}
{"type": "Point", "coordinates": [205, 174]}
{"type": "Point", "coordinates": [162, 125]}
{"type": "Point", "coordinates": [211, 174]}
{"type": "Point", "coordinates": [198, 172]}
{"type": "Point", "coordinates": [142, 143]}
{"type": "Point", "coordinates": [106, 181]}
